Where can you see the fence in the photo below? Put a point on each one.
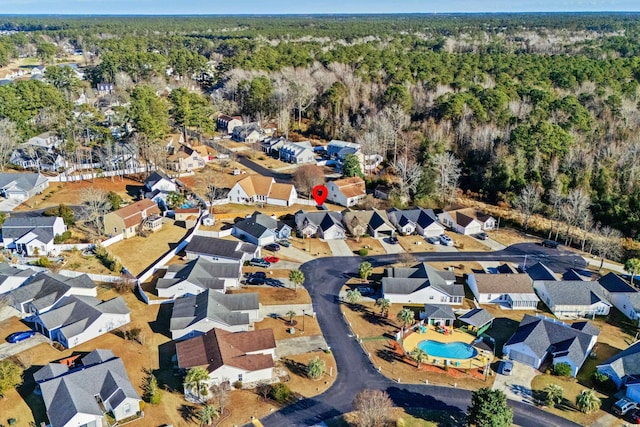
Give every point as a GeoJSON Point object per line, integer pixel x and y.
{"type": "Point", "coordinates": [73, 246]}
{"type": "Point", "coordinates": [306, 202]}
{"type": "Point", "coordinates": [221, 233]}
{"type": "Point", "coordinates": [92, 175]}
{"type": "Point", "coordinates": [115, 239]}
{"type": "Point", "coordinates": [70, 273]}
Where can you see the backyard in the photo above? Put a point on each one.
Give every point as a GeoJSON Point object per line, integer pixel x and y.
{"type": "Point", "coordinates": [269, 295]}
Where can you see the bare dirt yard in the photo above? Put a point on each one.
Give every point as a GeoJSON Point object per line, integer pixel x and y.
{"type": "Point", "coordinates": [280, 326]}
{"type": "Point", "coordinates": [415, 243]}
{"type": "Point", "coordinates": [510, 236]}
{"type": "Point", "coordinates": [137, 253]}
{"type": "Point", "coordinates": [74, 260]}
{"type": "Point", "coordinates": [276, 296]}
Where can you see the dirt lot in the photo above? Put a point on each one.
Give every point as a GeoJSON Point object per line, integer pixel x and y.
{"type": "Point", "coordinates": [137, 253]}
{"type": "Point", "coordinates": [69, 193]}
{"type": "Point", "coordinates": [415, 243]}
{"type": "Point", "coordinates": [277, 296]}
{"type": "Point", "coordinates": [74, 260]}
{"type": "Point", "coordinates": [510, 236]}
{"type": "Point", "coordinates": [313, 246]}
{"type": "Point", "coordinates": [365, 320]}
{"type": "Point", "coordinates": [468, 243]}
{"type": "Point", "coordinates": [375, 248]}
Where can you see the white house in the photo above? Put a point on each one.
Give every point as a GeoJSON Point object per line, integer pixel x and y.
{"type": "Point", "coordinates": [262, 190]}
{"type": "Point", "coordinates": [467, 221]}
{"type": "Point", "coordinates": [624, 370]}
{"type": "Point", "coordinates": [77, 319]}
{"type": "Point", "coordinates": [540, 337]}
{"type": "Point", "coordinates": [573, 298]}
{"type": "Point", "coordinates": [422, 284]}
{"type": "Point", "coordinates": [249, 133]}
{"type": "Point", "coordinates": [11, 277]}
{"type": "Point", "coordinates": [229, 357]}
{"type": "Point", "coordinates": [157, 186]}
{"type": "Point", "coordinates": [221, 250]}
{"type": "Point", "coordinates": [81, 391]}
{"type": "Point", "coordinates": [325, 224]}
{"type": "Point", "coordinates": [514, 291]}
{"type": "Point", "coordinates": [297, 152]}
{"type": "Point", "coordinates": [226, 124]}
{"type": "Point", "coordinates": [417, 220]}
{"type": "Point", "coordinates": [32, 236]}
{"type": "Point", "coordinates": [47, 140]}
{"type": "Point", "coordinates": [197, 314]}
{"type": "Point", "coordinates": [261, 229]}
{"type": "Point", "coordinates": [197, 276]}
{"type": "Point", "coordinates": [347, 191]}
{"type": "Point", "coordinates": [624, 297]}
{"type": "Point", "coordinates": [22, 186]}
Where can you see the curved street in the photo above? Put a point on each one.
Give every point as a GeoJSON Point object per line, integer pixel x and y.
{"type": "Point", "coordinates": [325, 277]}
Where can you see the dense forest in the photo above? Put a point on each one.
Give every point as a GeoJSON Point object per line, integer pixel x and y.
{"type": "Point", "coordinates": [509, 108]}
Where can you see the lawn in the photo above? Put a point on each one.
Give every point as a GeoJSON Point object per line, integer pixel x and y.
{"type": "Point", "coordinates": [277, 296]}
{"type": "Point", "coordinates": [374, 246]}
{"type": "Point", "coordinates": [74, 260]}
{"type": "Point", "coordinates": [415, 243]}
{"type": "Point", "coordinates": [137, 253]}
{"type": "Point", "coordinates": [510, 236]}
{"type": "Point", "coordinates": [468, 243]}
{"type": "Point", "coordinates": [281, 328]}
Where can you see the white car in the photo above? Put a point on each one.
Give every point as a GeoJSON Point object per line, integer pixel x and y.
{"type": "Point", "coordinates": [446, 240]}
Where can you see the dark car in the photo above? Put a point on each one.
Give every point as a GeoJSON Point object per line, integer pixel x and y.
{"type": "Point", "coordinates": [256, 280]}
{"type": "Point", "coordinates": [20, 336]}
{"type": "Point", "coordinates": [634, 416]}
{"type": "Point", "coordinates": [547, 243]}
{"type": "Point", "coordinates": [259, 262]}
{"type": "Point", "coordinates": [393, 240]}
{"type": "Point", "coordinates": [481, 236]}
{"type": "Point", "coordinates": [258, 275]}
{"type": "Point", "coordinates": [505, 367]}
{"type": "Point", "coordinates": [272, 247]}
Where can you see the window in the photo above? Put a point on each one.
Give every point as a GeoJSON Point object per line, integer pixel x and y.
{"type": "Point", "coordinates": [126, 408]}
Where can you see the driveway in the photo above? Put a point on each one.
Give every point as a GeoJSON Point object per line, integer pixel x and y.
{"type": "Point", "coordinates": [517, 386]}
{"type": "Point", "coordinates": [445, 248]}
{"type": "Point", "coordinates": [300, 345]}
{"type": "Point", "coordinates": [8, 349]}
{"type": "Point", "coordinates": [493, 245]}
{"type": "Point", "coordinates": [339, 248]}
{"type": "Point", "coordinates": [295, 254]}
{"type": "Point", "coordinates": [7, 205]}
{"type": "Point", "coordinates": [388, 247]}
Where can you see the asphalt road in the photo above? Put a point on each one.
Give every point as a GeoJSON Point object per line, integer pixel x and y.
{"type": "Point", "coordinates": [325, 277]}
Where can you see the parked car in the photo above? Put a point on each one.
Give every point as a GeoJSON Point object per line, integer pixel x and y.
{"type": "Point", "coordinates": [284, 243]}
{"type": "Point", "coordinates": [505, 367]}
{"type": "Point", "coordinates": [258, 275]}
{"type": "Point", "coordinates": [547, 243]}
{"type": "Point", "coordinates": [259, 262]}
{"type": "Point", "coordinates": [446, 240]}
{"type": "Point", "coordinates": [622, 406]}
{"type": "Point", "coordinates": [393, 240]}
{"type": "Point", "coordinates": [634, 416]}
{"type": "Point", "coordinates": [256, 280]}
{"type": "Point", "coordinates": [273, 247]}
{"type": "Point", "coordinates": [433, 240]}
{"type": "Point", "coordinates": [481, 236]}
{"type": "Point", "coordinates": [16, 337]}
{"type": "Point", "coordinates": [272, 259]}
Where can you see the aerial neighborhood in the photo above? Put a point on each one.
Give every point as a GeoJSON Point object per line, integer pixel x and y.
{"type": "Point", "coordinates": [192, 235]}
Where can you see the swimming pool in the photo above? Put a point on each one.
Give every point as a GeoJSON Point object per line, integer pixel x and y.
{"type": "Point", "coordinates": [452, 350]}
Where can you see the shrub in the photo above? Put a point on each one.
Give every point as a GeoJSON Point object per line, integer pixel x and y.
{"type": "Point", "coordinates": [43, 261]}
{"type": "Point", "coordinates": [562, 369]}
{"type": "Point", "coordinates": [363, 252]}
{"type": "Point", "coordinates": [600, 378]}
{"type": "Point", "coordinates": [280, 392]}
{"type": "Point", "coordinates": [237, 385]}
{"type": "Point", "coordinates": [61, 238]}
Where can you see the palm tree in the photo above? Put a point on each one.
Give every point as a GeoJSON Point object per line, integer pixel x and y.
{"type": "Point", "coordinates": [587, 401]}
{"type": "Point", "coordinates": [384, 305]}
{"type": "Point", "coordinates": [632, 265]}
{"type": "Point", "coordinates": [291, 315]}
{"type": "Point", "coordinates": [365, 270]}
{"type": "Point", "coordinates": [353, 295]}
{"type": "Point", "coordinates": [297, 278]}
{"type": "Point", "coordinates": [316, 368]}
{"type": "Point", "coordinates": [419, 355]}
{"type": "Point", "coordinates": [196, 376]}
{"type": "Point", "coordinates": [407, 317]}
{"type": "Point", "coordinates": [554, 394]}
{"type": "Point", "coordinates": [207, 414]}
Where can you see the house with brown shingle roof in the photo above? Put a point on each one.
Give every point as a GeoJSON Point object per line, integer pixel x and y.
{"type": "Point", "coordinates": [466, 221]}
{"type": "Point", "coordinates": [128, 220]}
{"type": "Point", "coordinates": [512, 290]}
{"type": "Point", "coordinates": [263, 190]}
{"type": "Point", "coordinates": [229, 356]}
{"type": "Point", "coordinates": [346, 191]}
{"type": "Point", "coordinates": [185, 159]}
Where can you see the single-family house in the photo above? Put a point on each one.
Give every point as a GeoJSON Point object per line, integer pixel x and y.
{"type": "Point", "coordinates": [77, 319]}
{"type": "Point", "coordinates": [540, 337]}
{"type": "Point", "coordinates": [339, 149]}
{"type": "Point", "coordinates": [324, 224]}
{"type": "Point", "coordinates": [623, 296]}
{"type": "Point", "coordinates": [198, 275]}
{"type": "Point", "coordinates": [512, 290]}
{"type": "Point", "coordinates": [226, 124]}
{"type": "Point", "coordinates": [44, 290]}
{"type": "Point", "coordinates": [129, 220]}
{"type": "Point", "coordinates": [539, 271]}
{"type": "Point", "coordinates": [229, 357]}
{"type": "Point", "coordinates": [185, 158]}
{"type": "Point", "coordinates": [346, 191]}
{"type": "Point", "coordinates": [11, 277]}
{"type": "Point", "coordinates": [249, 133]}
{"type": "Point", "coordinates": [188, 216]}
{"type": "Point", "coordinates": [575, 298]}
{"type": "Point", "coordinates": [221, 250]}
{"type": "Point", "coordinates": [37, 158]}
{"type": "Point", "coordinates": [47, 140]}
{"type": "Point", "coordinates": [32, 236]}
{"type": "Point", "coordinates": [373, 222]}
{"type": "Point", "coordinates": [105, 88]}
{"type": "Point", "coordinates": [624, 370]}
{"type": "Point", "coordinates": [476, 321]}
{"type": "Point", "coordinates": [438, 315]}
{"type": "Point", "coordinates": [297, 152]}
{"type": "Point", "coordinates": [272, 144]}
{"type": "Point", "coordinates": [466, 221]}
{"type": "Point", "coordinates": [196, 314]}
{"type": "Point", "coordinates": [22, 186]}
{"type": "Point", "coordinates": [261, 229]}
{"type": "Point", "coordinates": [262, 190]}
{"type": "Point", "coordinates": [421, 284]}
{"type": "Point", "coordinates": [82, 392]}
{"type": "Point", "coordinates": [157, 186]}
{"type": "Point", "coordinates": [417, 220]}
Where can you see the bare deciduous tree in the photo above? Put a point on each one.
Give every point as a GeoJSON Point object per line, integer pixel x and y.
{"type": "Point", "coordinates": [220, 395]}
{"type": "Point", "coordinates": [308, 176]}
{"type": "Point", "coordinates": [373, 408]}
{"type": "Point", "coordinates": [212, 179]}
{"type": "Point", "coordinates": [409, 174]}
{"type": "Point", "coordinates": [397, 119]}
{"type": "Point", "coordinates": [608, 244]}
{"type": "Point", "coordinates": [528, 202]}
{"type": "Point", "coordinates": [8, 141]}
{"type": "Point", "coordinates": [447, 168]}
{"type": "Point", "coordinates": [574, 206]}
{"type": "Point", "coordinates": [96, 204]}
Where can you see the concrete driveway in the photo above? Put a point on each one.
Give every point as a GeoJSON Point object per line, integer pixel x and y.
{"type": "Point", "coordinates": [300, 345]}
{"type": "Point", "coordinates": [493, 245]}
{"type": "Point", "coordinates": [339, 248]}
{"type": "Point", "coordinates": [295, 254]}
{"type": "Point", "coordinates": [7, 205]}
{"type": "Point", "coordinates": [8, 349]}
{"type": "Point", "coordinates": [517, 386]}
{"type": "Point", "coordinates": [388, 247]}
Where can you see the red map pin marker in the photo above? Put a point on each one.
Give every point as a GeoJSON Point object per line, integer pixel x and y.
{"type": "Point", "coordinates": [320, 194]}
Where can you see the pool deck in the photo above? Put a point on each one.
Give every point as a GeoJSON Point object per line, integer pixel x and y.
{"type": "Point", "coordinates": [411, 341]}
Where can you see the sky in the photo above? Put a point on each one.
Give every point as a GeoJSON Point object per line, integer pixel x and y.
{"type": "Point", "coordinates": [211, 7]}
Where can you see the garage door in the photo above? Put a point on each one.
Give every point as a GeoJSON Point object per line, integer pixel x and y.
{"type": "Point", "coordinates": [522, 357]}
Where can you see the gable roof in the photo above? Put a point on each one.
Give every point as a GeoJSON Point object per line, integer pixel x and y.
{"type": "Point", "coordinates": [212, 246]}
{"type": "Point", "coordinates": [574, 292]}
{"type": "Point", "coordinates": [615, 284]}
{"type": "Point", "coordinates": [7, 271]}
{"type": "Point", "coordinates": [438, 311]}
{"type": "Point", "coordinates": [21, 181]}
{"type": "Point", "coordinates": [217, 348]}
{"type": "Point", "coordinates": [132, 214]}
{"type": "Point", "coordinates": [155, 177]}
{"type": "Point", "coordinates": [45, 288]}
{"type": "Point", "coordinates": [350, 187]}
{"type": "Point", "coordinates": [222, 308]}
{"type": "Point", "coordinates": [465, 216]}
{"type": "Point", "coordinates": [419, 216]}
{"type": "Point", "coordinates": [515, 283]}
{"type": "Point", "coordinates": [477, 317]}
{"type": "Point", "coordinates": [539, 271]}
{"type": "Point", "coordinates": [325, 219]}
{"type": "Point", "coordinates": [626, 363]}
{"type": "Point", "coordinates": [406, 281]}
{"type": "Point", "coordinates": [200, 272]}
{"type": "Point", "coordinates": [15, 227]}
{"type": "Point", "coordinates": [280, 191]}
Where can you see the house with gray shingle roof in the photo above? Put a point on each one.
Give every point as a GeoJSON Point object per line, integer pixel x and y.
{"type": "Point", "coordinates": [43, 290]}
{"type": "Point", "coordinates": [438, 314]}
{"type": "Point", "coordinates": [78, 319]}
{"type": "Point", "coordinates": [512, 290]}
{"type": "Point", "coordinates": [22, 186]}
{"type": "Point", "coordinates": [422, 284]}
{"type": "Point", "coordinates": [624, 370]}
{"type": "Point", "coordinates": [372, 222]}
{"type": "Point", "coordinates": [261, 229]}
{"type": "Point", "coordinates": [82, 394]}
{"type": "Point", "coordinates": [326, 225]}
{"type": "Point", "coordinates": [539, 271]}
{"type": "Point", "coordinates": [573, 298]}
{"type": "Point", "coordinates": [194, 315]}
{"type": "Point", "coordinates": [197, 276]}
{"type": "Point", "coordinates": [32, 236]}
{"type": "Point", "coordinates": [539, 337]}
{"type": "Point", "coordinates": [11, 277]}
{"type": "Point", "coordinates": [221, 250]}
{"type": "Point", "coordinates": [417, 220]}
{"type": "Point", "coordinates": [623, 296]}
